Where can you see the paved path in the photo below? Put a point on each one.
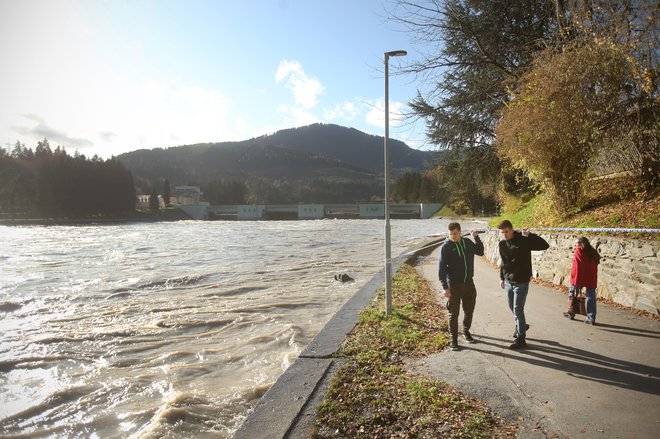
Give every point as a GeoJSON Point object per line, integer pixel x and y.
{"type": "Point", "coordinates": [573, 380]}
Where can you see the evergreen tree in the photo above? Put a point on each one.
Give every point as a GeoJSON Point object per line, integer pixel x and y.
{"type": "Point", "coordinates": [54, 185]}
{"type": "Point", "coordinates": [477, 51]}
{"type": "Point", "coordinates": [153, 200]}
{"type": "Point", "coordinates": [43, 150]}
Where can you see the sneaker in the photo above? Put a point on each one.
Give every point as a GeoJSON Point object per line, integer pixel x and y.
{"type": "Point", "coordinates": [589, 322]}
{"type": "Point", "coordinates": [518, 344]}
{"type": "Point", "coordinates": [468, 337]}
{"type": "Point", "coordinates": [453, 346]}
{"type": "Point", "coordinates": [569, 315]}
{"type": "Point", "coordinates": [515, 331]}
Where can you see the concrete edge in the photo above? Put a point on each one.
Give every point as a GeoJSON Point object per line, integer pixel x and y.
{"type": "Point", "coordinates": [288, 408]}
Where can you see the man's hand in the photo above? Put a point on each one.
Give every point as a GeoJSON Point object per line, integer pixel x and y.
{"type": "Point", "coordinates": [525, 231]}
{"type": "Point", "coordinates": [448, 294]}
{"type": "Point", "coordinates": [502, 284]}
{"type": "Point", "coordinates": [474, 233]}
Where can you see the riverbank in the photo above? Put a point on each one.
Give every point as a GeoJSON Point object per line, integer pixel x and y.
{"type": "Point", "coordinates": [289, 407]}
{"type": "Point", "coordinates": [389, 377]}
{"type": "Point", "coordinates": [374, 394]}
{"type": "Point", "coordinates": [399, 381]}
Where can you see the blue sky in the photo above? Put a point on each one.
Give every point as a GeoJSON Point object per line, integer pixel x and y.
{"type": "Point", "coordinates": [109, 76]}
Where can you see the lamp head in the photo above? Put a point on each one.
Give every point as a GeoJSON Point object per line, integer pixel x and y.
{"type": "Point", "coordinates": [396, 53]}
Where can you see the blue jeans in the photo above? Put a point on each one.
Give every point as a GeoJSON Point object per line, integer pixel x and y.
{"type": "Point", "coordinates": [517, 295]}
{"type": "Point", "coordinates": [589, 303]}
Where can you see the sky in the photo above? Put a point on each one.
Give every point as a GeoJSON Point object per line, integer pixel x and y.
{"type": "Point", "coordinates": [104, 77]}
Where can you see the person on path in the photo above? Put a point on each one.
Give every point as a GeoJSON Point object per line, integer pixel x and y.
{"type": "Point", "coordinates": [516, 271]}
{"type": "Point", "coordinates": [456, 269]}
{"type": "Point", "coordinates": [584, 273]}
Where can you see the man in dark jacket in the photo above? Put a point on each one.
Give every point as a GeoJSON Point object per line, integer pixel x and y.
{"type": "Point", "coordinates": [516, 271]}
{"type": "Point", "coordinates": [456, 269]}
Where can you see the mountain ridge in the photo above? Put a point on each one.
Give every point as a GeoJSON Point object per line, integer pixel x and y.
{"type": "Point", "coordinates": [325, 152]}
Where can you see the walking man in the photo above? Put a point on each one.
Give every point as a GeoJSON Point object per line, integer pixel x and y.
{"type": "Point", "coordinates": [455, 271]}
{"type": "Point", "coordinates": [516, 272]}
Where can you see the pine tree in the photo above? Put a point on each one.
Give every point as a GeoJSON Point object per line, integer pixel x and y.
{"type": "Point", "coordinates": [153, 200]}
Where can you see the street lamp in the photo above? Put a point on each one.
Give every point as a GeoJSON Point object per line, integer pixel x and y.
{"type": "Point", "coordinates": [388, 238]}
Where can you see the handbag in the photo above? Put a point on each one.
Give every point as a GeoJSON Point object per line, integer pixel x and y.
{"type": "Point", "coordinates": [576, 303]}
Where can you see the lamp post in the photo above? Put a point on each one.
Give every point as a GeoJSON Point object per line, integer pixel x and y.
{"type": "Point", "coordinates": [388, 237]}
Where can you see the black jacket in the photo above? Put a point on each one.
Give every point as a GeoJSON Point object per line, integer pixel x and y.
{"type": "Point", "coordinates": [456, 264]}
{"type": "Point", "coordinates": [516, 254]}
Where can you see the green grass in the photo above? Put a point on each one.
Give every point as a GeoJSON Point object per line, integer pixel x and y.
{"type": "Point", "coordinates": [446, 211]}
{"type": "Point", "coordinates": [531, 213]}
{"type": "Point", "coordinates": [608, 203]}
{"type": "Point", "coordinates": [372, 394]}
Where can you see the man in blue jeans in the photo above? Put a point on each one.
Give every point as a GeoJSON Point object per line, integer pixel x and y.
{"type": "Point", "coordinates": [516, 271]}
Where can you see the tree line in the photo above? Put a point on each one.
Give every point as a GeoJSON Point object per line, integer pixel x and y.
{"type": "Point", "coordinates": [534, 96]}
{"type": "Point", "coordinates": [47, 183]}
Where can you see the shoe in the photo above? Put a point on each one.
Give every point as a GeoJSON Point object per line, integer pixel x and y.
{"type": "Point", "coordinates": [518, 344]}
{"type": "Point", "coordinates": [589, 322]}
{"type": "Point", "coordinates": [453, 346]}
{"type": "Point", "coordinates": [569, 315]}
{"type": "Point", "coordinates": [468, 337]}
{"type": "Point", "coordinates": [515, 331]}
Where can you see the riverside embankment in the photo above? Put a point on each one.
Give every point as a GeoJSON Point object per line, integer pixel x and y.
{"type": "Point", "coordinates": [288, 409]}
{"type": "Point", "coordinates": [517, 387]}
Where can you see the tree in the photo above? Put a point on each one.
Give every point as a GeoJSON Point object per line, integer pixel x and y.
{"type": "Point", "coordinates": [166, 192]}
{"type": "Point", "coordinates": [476, 50]}
{"type": "Point", "coordinates": [552, 128]}
{"type": "Point", "coordinates": [43, 150]}
{"type": "Point", "coordinates": [153, 201]}
{"type": "Point", "coordinates": [20, 151]}
{"type": "Point", "coordinates": [630, 138]}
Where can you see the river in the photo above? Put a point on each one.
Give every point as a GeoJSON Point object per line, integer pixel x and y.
{"type": "Point", "coordinates": [168, 330]}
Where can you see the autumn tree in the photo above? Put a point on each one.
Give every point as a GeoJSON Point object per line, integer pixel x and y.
{"type": "Point", "coordinates": [552, 128]}
{"type": "Point", "coordinates": [629, 139]}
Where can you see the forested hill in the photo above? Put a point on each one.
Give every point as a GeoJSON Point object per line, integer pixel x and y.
{"type": "Point", "coordinates": [316, 151]}
{"type": "Point", "coordinates": [349, 145]}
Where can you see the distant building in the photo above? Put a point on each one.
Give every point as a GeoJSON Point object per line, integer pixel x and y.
{"type": "Point", "coordinates": [188, 200]}
{"type": "Point", "coordinates": [143, 202]}
{"type": "Point", "coordinates": [188, 195]}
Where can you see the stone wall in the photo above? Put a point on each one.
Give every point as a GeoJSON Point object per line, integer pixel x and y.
{"type": "Point", "coordinates": [629, 272]}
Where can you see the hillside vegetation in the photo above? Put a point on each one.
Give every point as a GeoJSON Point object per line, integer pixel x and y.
{"type": "Point", "coordinates": [608, 203]}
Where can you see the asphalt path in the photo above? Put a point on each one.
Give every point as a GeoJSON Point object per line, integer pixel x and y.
{"type": "Point", "coordinates": [573, 380]}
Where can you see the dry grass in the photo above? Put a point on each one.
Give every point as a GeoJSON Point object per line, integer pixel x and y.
{"type": "Point", "coordinates": [373, 395]}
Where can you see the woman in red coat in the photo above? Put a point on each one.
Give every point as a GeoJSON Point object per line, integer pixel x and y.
{"type": "Point", "coordinates": [584, 274]}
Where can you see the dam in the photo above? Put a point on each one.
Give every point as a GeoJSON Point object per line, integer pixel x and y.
{"type": "Point", "coordinates": [188, 200]}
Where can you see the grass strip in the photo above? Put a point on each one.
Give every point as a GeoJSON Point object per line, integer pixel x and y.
{"type": "Point", "coordinates": [373, 395]}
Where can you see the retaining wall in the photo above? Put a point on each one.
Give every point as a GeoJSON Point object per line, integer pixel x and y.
{"type": "Point", "coordinates": [629, 271]}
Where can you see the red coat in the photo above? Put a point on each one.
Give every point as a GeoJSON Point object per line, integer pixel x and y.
{"type": "Point", "coordinates": [584, 272]}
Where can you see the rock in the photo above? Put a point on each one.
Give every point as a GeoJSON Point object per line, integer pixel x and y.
{"type": "Point", "coordinates": [343, 277]}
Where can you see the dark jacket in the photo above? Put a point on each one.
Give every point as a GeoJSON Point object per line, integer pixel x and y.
{"type": "Point", "coordinates": [516, 254]}
{"type": "Point", "coordinates": [456, 263]}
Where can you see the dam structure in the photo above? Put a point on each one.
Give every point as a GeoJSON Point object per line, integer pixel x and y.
{"type": "Point", "coordinates": [188, 200]}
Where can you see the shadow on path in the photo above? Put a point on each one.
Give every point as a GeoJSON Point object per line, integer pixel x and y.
{"type": "Point", "coordinates": [577, 362]}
